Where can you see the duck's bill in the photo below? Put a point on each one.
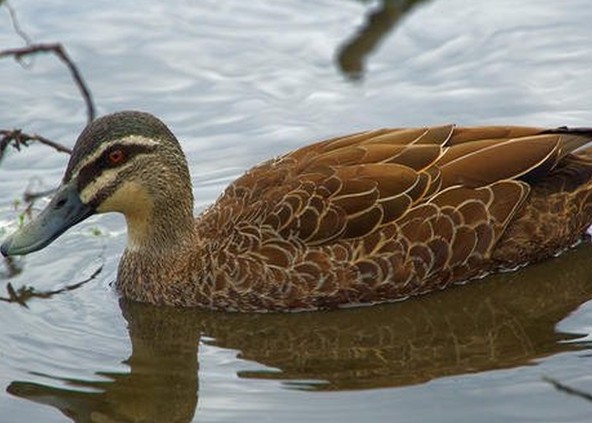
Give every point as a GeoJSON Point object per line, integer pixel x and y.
{"type": "Point", "coordinates": [63, 211]}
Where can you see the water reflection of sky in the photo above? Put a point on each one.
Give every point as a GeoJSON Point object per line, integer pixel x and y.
{"type": "Point", "coordinates": [448, 61]}
{"type": "Point", "coordinates": [239, 82]}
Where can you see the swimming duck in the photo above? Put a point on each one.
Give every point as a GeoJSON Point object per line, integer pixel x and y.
{"type": "Point", "coordinates": [366, 218]}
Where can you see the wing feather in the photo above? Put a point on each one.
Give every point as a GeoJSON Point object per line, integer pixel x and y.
{"type": "Point", "coordinates": [467, 182]}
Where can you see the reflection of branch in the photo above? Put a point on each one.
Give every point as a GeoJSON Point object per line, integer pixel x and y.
{"type": "Point", "coordinates": [32, 196]}
{"type": "Point", "coordinates": [25, 293]}
{"type": "Point", "coordinates": [19, 139]}
{"type": "Point", "coordinates": [379, 23]}
{"type": "Point", "coordinates": [568, 389]}
{"type": "Point", "coordinates": [60, 52]}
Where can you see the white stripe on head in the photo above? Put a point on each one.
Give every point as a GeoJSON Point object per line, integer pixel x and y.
{"type": "Point", "coordinates": [129, 140]}
{"type": "Point", "coordinates": [91, 190]}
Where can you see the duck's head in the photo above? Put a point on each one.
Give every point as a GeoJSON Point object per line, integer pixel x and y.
{"type": "Point", "coordinates": [127, 162]}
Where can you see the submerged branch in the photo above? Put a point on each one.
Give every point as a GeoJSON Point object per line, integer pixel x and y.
{"type": "Point", "coordinates": [25, 293]}
{"type": "Point", "coordinates": [568, 389]}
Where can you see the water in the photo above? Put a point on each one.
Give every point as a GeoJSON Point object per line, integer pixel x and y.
{"type": "Point", "coordinates": [239, 82]}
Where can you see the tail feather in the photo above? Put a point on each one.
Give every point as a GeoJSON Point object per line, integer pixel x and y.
{"type": "Point", "coordinates": [572, 139]}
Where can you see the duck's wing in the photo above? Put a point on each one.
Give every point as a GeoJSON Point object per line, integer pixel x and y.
{"type": "Point", "coordinates": [348, 187]}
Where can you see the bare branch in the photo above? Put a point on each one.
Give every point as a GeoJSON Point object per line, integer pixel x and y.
{"type": "Point", "coordinates": [60, 52]}
{"type": "Point", "coordinates": [18, 139]}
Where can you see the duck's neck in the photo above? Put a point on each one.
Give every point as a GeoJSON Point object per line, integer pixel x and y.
{"type": "Point", "coordinates": [160, 230]}
{"type": "Point", "coordinates": [159, 214]}
{"type": "Point", "coordinates": [155, 267]}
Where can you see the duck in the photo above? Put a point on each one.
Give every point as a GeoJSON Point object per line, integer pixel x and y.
{"type": "Point", "coordinates": [371, 217]}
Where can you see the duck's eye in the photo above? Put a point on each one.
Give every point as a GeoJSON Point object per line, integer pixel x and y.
{"type": "Point", "coordinates": [116, 157]}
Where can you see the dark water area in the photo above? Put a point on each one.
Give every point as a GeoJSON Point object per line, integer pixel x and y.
{"type": "Point", "coordinates": [240, 82]}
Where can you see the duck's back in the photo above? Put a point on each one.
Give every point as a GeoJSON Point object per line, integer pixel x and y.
{"type": "Point", "coordinates": [383, 215]}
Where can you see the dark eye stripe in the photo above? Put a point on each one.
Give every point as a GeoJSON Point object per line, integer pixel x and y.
{"type": "Point", "coordinates": [95, 169]}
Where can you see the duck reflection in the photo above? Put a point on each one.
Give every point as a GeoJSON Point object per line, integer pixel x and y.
{"type": "Point", "coordinates": [507, 321]}
{"type": "Point", "coordinates": [379, 22]}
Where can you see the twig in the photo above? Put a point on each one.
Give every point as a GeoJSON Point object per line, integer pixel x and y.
{"type": "Point", "coordinates": [568, 389]}
{"type": "Point", "coordinates": [60, 52]}
{"type": "Point", "coordinates": [25, 293]}
{"type": "Point", "coordinates": [19, 139]}
{"type": "Point", "coordinates": [31, 197]}
{"type": "Point", "coordinates": [15, 23]}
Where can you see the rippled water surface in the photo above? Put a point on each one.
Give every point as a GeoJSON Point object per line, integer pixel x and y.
{"type": "Point", "coordinates": [239, 82]}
